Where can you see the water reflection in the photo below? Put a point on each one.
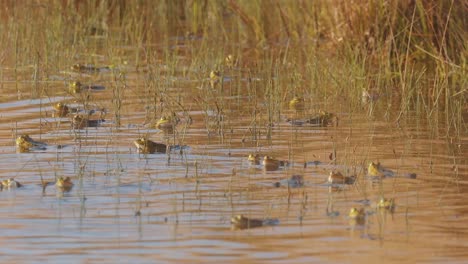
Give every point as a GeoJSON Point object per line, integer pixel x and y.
{"type": "Point", "coordinates": [178, 204]}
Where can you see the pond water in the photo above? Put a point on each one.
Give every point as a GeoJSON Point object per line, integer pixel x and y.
{"type": "Point", "coordinates": [127, 206]}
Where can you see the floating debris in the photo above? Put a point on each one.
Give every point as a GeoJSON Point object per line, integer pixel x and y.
{"type": "Point", "coordinates": [410, 175]}
{"type": "Point", "coordinates": [295, 181]}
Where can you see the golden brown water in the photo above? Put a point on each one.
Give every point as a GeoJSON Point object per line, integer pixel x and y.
{"type": "Point", "coordinates": [129, 207]}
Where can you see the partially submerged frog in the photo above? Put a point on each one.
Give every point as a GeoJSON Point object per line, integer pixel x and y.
{"type": "Point", "coordinates": [81, 121]}
{"type": "Point", "coordinates": [24, 143]}
{"type": "Point", "coordinates": [167, 123]}
{"type": "Point", "coordinates": [297, 103]}
{"type": "Point", "coordinates": [242, 222]}
{"type": "Point", "coordinates": [388, 204]}
{"type": "Point", "coordinates": [61, 109]}
{"type": "Point", "coordinates": [254, 159]}
{"type": "Point", "coordinates": [356, 213]}
{"type": "Point", "coordinates": [357, 216]}
{"type": "Point", "coordinates": [147, 146]}
{"type": "Point", "coordinates": [10, 184]}
{"type": "Point", "coordinates": [271, 164]}
{"type": "Point", "coordinates": [215, 75]}
{"type": "Point", "coordinates": [77, 87]}
{"type": "Point", "coordinates": [88, 68]}
{"type": "Point", "coordinates": [376, 170]}
{"type": "Point", "coordinates": [64, 184]}
{"type": "Point", "coordinates": [323, 119]}
{"type": "Point", "coordinates": [338, 178]}
{"type": "Point", "coordinates": [230, 61]}
{"type": "Point", "coordinates": [215, 78]}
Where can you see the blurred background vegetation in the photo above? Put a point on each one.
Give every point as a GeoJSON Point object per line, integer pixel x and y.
{"type": "Point", "coordinates": [414, 49]}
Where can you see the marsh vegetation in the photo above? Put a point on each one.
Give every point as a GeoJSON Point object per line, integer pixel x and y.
{"type": "Point", "coordinates": [336, 128]}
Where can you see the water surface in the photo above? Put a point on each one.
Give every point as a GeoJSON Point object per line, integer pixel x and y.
{"type": "Point", "coordinates": [130, 207]}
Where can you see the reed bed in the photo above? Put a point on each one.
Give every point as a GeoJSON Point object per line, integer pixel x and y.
{"type": "Point", "coordinates": [228, 70]}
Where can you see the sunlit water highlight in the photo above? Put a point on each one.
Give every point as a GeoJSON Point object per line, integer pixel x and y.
{"type": "Point", "coordinates": [130, 207]}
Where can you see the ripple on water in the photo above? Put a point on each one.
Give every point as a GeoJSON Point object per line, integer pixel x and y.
{"type": "Point", "coordinates": [177, 208]}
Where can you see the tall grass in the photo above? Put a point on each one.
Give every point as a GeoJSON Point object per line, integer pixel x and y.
{"type": "Point", "coordinates": [413, 52]}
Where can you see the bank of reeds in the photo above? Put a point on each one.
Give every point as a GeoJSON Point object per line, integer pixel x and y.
{"type": "Point", "coordinates": [413, 52]}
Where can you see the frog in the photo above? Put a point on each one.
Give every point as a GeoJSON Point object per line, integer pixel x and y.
{"type": "Point", "coordinates": [147, 146]}
{"type": "Point", "coordinates": [25, 143]}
